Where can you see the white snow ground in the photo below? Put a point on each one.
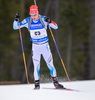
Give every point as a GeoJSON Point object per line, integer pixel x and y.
{"type": "Point", "coordinates": [26, 92]}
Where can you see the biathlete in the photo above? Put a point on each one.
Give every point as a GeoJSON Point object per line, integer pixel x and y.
{"type": "Point", "coordinates": [37, 26]}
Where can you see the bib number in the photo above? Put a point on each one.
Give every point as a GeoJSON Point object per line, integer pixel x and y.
{"type": "Point", "coordinates": [37, 33]}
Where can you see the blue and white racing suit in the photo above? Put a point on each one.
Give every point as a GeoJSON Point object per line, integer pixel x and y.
{"type": "Point", "coordinates": [40, 43]}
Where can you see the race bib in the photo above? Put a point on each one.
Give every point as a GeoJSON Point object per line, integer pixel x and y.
{"type": "Point", "coordinates": [38, 36]}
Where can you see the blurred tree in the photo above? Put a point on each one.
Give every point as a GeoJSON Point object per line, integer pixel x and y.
{"type": "Point", "coordinates": [92, 41]}
{"type": "Point", "coordinates": [5, 40]}
{"type": "Point", "coordinates": [75, 20]}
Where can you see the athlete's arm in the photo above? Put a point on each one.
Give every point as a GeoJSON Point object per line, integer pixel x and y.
{"type": "Point", "coordinates": [16, 24]}
{"type": "Point", "coordinates": [51, 23]}
{"type": "Point", "coordinates": [23, 23]}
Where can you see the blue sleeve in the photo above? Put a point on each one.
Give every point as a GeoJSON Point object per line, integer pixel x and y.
{"type": "Point", "coordinates": [52, 24]}
{"type": "Point", "coordinates": [23, 23]}
{"type": "Point", "coordinates": [15, 25]}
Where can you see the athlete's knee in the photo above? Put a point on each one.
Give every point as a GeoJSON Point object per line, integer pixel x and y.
{"type": "Point", "coordinates": [50, 60]}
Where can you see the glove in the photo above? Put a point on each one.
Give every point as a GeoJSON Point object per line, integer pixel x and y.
{"type": "Point", "coordinates": [47, 19]}
{"type": "Point", "coordinates": [17, 16]}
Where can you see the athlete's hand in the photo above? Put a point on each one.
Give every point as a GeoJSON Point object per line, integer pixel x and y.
{"type": "Point", "coordinates": [47, 19]}
{"type": "Point", "coordinates": [17, 16]}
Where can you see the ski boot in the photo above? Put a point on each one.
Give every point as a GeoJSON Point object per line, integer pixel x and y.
{"type": "Point", "coordinates": [56, 84]}
{"type": "Point", "coordinates": [37, 86]}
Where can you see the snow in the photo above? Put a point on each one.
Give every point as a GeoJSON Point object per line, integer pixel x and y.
{"type": "Point", "coordinates": [26, 92]}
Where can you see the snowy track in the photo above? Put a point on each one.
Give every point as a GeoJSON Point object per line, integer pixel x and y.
{"type": "Point", "coordinates": [26, 92]}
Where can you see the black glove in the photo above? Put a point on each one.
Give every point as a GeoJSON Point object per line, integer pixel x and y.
{"type": "Point", "coordinates": [47, 19]}
{"type": "Point", "coordinates": [17, 16]}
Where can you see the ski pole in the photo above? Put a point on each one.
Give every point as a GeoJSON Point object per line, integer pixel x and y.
{"type": "Point", "coordinates": [59, 53]}
{"type": "Point", "coordinates": [23, 54]}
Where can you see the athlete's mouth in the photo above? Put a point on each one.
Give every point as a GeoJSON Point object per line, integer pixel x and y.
{"type": "Point", "coordinates": [34, 18]}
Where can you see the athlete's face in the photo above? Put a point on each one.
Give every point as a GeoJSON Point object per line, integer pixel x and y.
{"type": "Point", "coordinates": [35, 16]}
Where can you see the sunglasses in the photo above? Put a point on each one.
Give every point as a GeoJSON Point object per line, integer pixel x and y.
{"type": "Point", "coordinates": [33, 15]}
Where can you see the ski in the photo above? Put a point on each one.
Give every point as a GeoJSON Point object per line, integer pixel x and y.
{"type": "Point", "coordinates": [67, 89]}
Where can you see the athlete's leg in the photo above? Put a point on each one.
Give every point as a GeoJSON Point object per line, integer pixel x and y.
{"type": "Point", "coordinates": [36, 61]}
{"type": "Point", "coordinates": [49, 60]}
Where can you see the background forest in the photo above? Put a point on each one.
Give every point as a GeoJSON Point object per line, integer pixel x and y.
{"type": "Point", "coordinates": [75, 39]}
